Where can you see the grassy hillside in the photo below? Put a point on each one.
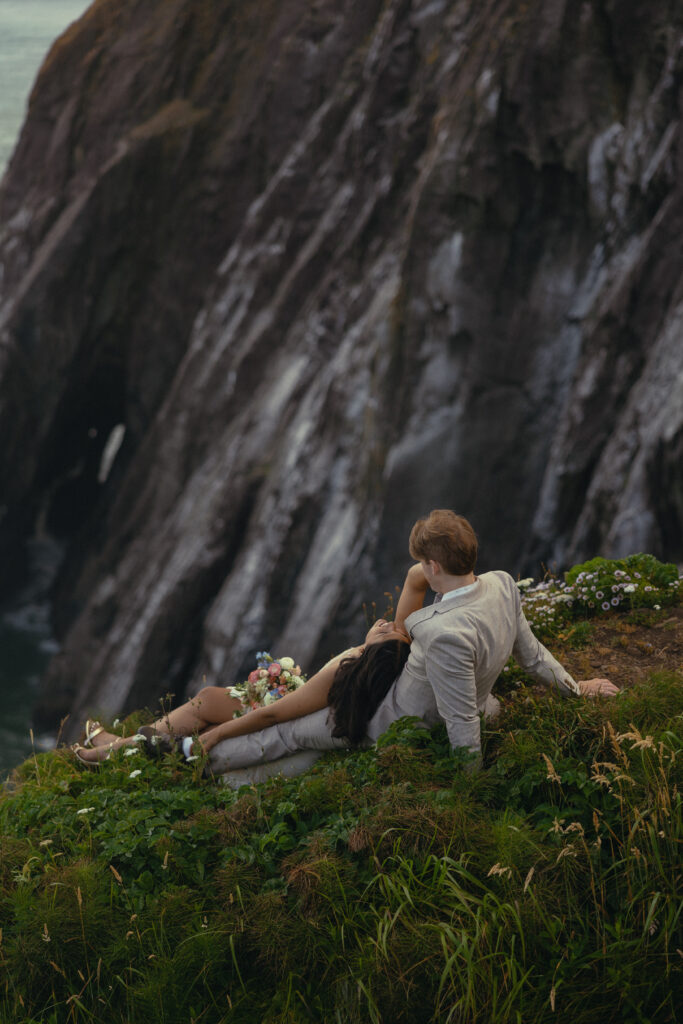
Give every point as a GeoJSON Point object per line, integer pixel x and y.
{"type": "Point", "coordinates": [384, 886]}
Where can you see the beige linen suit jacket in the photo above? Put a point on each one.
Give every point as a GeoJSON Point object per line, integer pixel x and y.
{"type": "Point", "coordinates": [459, 648]}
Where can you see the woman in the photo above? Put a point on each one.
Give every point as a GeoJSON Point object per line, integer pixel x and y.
{"type": "Point", "coordinates": [352, 684]}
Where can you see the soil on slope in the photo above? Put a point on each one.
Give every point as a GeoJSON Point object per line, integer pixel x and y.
{"type": "Point", "coordinates": [626, 648]}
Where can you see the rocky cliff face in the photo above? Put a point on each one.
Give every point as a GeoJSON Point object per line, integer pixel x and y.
{"type": "Point", "coordinates": [331, 265]}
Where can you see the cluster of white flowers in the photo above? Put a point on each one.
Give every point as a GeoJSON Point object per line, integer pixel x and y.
{"type": "Point", "coordinates": [588, 589]}
{"type": "Point", "coordinates": [545, 601]}
{"type": "Point", "coordinates": [551, 599]}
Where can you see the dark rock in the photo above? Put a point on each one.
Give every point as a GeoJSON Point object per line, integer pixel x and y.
{"type": "Point", "coordinates": [332, 265]}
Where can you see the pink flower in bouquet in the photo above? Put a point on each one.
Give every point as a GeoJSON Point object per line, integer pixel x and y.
{"type": "Point", "coordinates": [274, 669]}
{"type": "Point", "coordinates": [282, 688]}
{"type": "Point", "coordinates": [254, 676]}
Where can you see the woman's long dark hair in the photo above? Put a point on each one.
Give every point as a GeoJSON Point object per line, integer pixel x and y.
{"type": "Point", "coordinates": [361, 683]}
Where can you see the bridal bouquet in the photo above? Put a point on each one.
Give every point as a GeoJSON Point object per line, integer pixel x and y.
{"type": "Point", "coordinates": [270, 680]}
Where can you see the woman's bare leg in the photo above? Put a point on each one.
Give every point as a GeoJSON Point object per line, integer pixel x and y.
{"type": "Point", "coordinates": [211, 706]}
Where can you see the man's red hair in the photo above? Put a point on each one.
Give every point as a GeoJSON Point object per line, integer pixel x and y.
{"type": "Point", "coordinates": [446, 538]}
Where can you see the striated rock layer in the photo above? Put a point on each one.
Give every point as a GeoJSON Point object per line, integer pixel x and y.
{"type": "Point", "coordinates": [331, 265]}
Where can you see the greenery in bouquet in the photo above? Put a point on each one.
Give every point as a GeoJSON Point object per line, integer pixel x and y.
{"type": "Point", "coordinates": [269, 681]}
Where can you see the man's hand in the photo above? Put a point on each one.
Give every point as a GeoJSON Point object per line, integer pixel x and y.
{"type": "Point", "coordinates": [598, 688]}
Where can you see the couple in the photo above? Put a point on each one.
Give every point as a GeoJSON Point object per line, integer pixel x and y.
{"type": "Point", "coordinates": [436, 663]}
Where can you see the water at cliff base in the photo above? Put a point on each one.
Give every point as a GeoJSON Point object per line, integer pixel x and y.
{"type": "Point", "coordinates": [27, 30]}
{"type": "Point", "coordinates": [23, 658]}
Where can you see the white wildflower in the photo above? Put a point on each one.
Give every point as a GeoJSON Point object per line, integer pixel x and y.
{"type": "Point", "coordinates": [134, 775]}
{"type": "Point", "coordinates": [629, 588]}
{"type": "Point", "coordinates": [85, 810]}
{"type": "Point", "coordinates": [131, 751]}
{"type": "Point", "coordinates": [523, 584]}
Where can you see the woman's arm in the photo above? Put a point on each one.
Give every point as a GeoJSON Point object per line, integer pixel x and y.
{"type": "Point", "coordinates": [413, 594]}
{"type": "Point", "coordinates": [310, 697]}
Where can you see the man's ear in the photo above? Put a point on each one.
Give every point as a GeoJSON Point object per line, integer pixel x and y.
{"type": "Point", "coordinates": [434, 566]}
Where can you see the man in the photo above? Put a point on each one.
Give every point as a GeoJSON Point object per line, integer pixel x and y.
{"type": "Point", "coordinates": [459, 647]}
{"type": "Point", "coordinates": [461, 643]}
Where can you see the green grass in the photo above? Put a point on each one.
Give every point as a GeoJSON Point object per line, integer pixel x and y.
{"type": "Point", "coordinates": [383, 886]}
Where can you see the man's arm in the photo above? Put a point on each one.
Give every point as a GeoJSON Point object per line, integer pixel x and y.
{"type": "Point", "coordinates": [542, 666]}
{"type": "Point", "coordinates": [537, 660]}
{"type": "Point", "coordinates": [450, 671]}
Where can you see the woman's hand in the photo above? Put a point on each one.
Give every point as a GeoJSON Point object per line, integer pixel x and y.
{"type": "Point", "coordinates": [598, 688]}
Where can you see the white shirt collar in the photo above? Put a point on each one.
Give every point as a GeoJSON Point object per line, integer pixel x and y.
{"type": "Point", "coordinates": [458, 592]}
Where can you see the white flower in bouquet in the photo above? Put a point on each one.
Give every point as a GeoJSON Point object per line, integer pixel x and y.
{"type": "Point", "coordinates": [268, 682]}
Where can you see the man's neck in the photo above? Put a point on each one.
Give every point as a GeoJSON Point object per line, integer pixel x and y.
{"type": "Point", "coordinates": [446, 583]}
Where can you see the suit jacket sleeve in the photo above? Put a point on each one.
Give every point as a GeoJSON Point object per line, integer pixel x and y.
{"type": "Point", "coordinates": [449, 662]}
{"type": "Point", "coordinates": [536, 659]}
